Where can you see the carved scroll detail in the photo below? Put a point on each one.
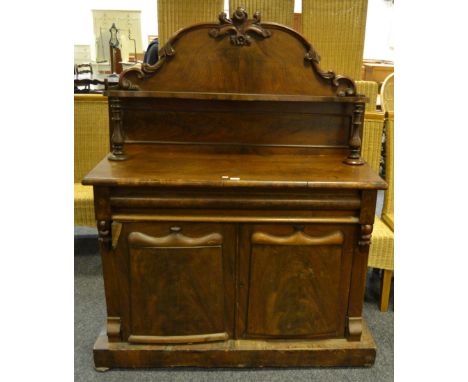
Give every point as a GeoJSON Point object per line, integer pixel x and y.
{"type": "Point", "coordinates": [174, 239]}
{"type": "Point", "coordinates": [239, 27]}
{"type": "Point", "coordinates": [113, 329]}
{"type": "Point", "coordinates": [366, 234]}
{"type": "Point", "coordinates": [297, 238]}
{"type": "Point", "coordinates": [345, 86]}
{"type": "Point", "coordinates": [241, 31]}
{"type": "Point", "coordinates": [354, 328]}
{"type": "Point", "coordinates": [142, 70]}
{"type": "Point", "coordinates": [104, 233]}
{"type": "Point", "coordinates": [117, 140]}
{"type": "Point", "coordinates": [126, 84]}
{"type": "Point", "coordinates": [116, 231]}
{"type": "Point", "coordinates": [354, 157]}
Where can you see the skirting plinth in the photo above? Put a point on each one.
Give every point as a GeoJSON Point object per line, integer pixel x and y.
{"type": "Point", "coordinates": [238, 353]}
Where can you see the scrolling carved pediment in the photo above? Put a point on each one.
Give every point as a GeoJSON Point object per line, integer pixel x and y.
{"type": "Point", "coordinates": [273, 47]}
{"type": "Point", "coordinates": [239, 27]}
{"type": "Point", "coordinates": [345, 86]}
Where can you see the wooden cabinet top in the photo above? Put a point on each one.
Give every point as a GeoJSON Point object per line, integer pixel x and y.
{"type": "Point", "coordinates": [201, 166]}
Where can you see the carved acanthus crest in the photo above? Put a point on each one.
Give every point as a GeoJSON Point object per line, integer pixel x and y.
{"type": "Point", "coordinates": [239, 27]}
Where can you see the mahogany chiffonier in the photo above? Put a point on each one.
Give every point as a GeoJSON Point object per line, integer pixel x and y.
{"type": "Point", "coordinates": [234, 212]}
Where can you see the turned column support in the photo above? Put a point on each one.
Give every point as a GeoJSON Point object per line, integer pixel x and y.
{"type": "Point", "coordinates": [363, 235]}
{"type": "Point", "coordinates": [109, 266]}
{"type": "Point", "coordinates": [354, 319]}
{"type": "Point", "coordinates": [117, 139]}
{"type": "Point", "coordinates": [104, 234]}
{"type": "Point", "coordinates": [113, 327]}
{"type": "Point", "coordinates": [354, 156]}
{"type": "Point", "coordinates": [365, 238]}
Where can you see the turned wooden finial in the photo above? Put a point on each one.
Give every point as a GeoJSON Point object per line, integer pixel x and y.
{"type": "Point", "coordinates": [117, 139]}
{"type": "Point", "coordinates": [354, 156]}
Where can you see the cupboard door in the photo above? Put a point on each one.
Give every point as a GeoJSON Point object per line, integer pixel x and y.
{"type": "Point", "coordinates": [179, 291]}
{"type": "Point", "coordinates": [297, 280]}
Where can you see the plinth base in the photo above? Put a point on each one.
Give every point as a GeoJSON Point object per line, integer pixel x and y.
{"type": "Point", "coordinates": [238, 353]}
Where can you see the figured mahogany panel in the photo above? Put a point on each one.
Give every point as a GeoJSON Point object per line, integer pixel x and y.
{"type": "Point", "coordinates": [180, 282]}
{"type": "Point", "coordinates": [223, 122]}
{"type": "Point", "coordinates": [298, 280]}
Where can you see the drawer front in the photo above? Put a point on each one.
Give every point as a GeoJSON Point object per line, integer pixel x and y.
{"type": "Point", "coordinates": [124, 200]}
{"type": "Point", "coordinates": [294, 280]}
{"type": "Point", "coordinates": [180, 281]}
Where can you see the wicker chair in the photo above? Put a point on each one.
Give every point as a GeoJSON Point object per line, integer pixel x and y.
{"type": "Point", "coordinates": [176, 14]}
{"type": "Point", "coordinates": [372, 138]}
{"type": "Point", "coordinates": [381, 249]}
{"type": "Point", "coordinates": [336, 29]}
{"type": "Point", "coordinates": [278, 11]}
{"type": "Point", "coordinates": [387, 211]}
{"type": "Point", "coordinates": [371, 90]}
{"type": "Point", "coordinates": [91, 145]}
{"type": "Point", "coordinates": [382, 246]}
{"type": "Point", "coordinates": [386, 93]}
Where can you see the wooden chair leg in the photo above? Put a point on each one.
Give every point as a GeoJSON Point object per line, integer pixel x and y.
{"type": "Point", "coordinates": [385, 286]}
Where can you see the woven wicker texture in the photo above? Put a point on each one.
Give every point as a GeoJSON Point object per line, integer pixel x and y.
{"type": "Point", "coordinates": [176, 14]}
{"type": "Point", "coordinates": [381, 248]}
{"type": "Point", "coordinates": [370, 89]}
{"type": "Point", "coordinates": [372, 139]}
{"type": "Point", "coordinates": [91, 145]}
{"type": "Point", "coordinates": [278, 11]}
{"type": "Point", "coordinates": [84, 206]}
{"type": "Point", "coordinates": [388, 219]}
{"type": "Point", "coordinates": [91, 133]}
{"type": "Point", "coordinates": [336, 29]}
{"type": "Point", "coordinates": [387, 93]}
{"type": "Point", "coordinates": [388, 210]}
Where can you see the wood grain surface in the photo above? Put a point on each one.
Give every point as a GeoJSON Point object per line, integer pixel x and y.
{"type": "Point", "coordinates": [242, 209]}
{"type": "Point", "coordinates": [207, 167]}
